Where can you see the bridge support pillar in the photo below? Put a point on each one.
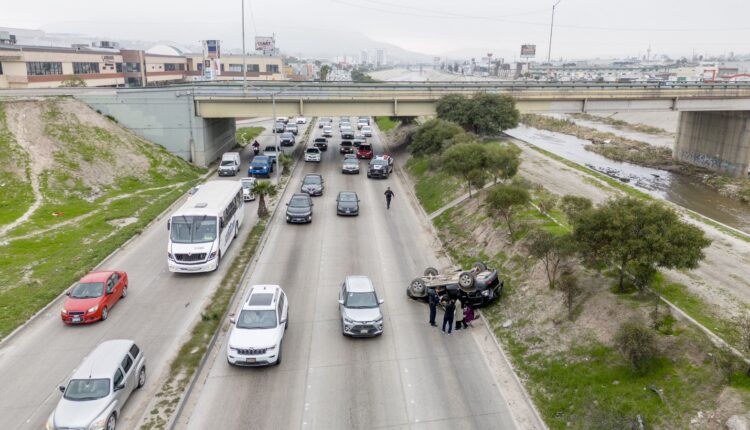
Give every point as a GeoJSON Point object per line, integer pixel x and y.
{"type": "Point", "coordinates": [719, 141]}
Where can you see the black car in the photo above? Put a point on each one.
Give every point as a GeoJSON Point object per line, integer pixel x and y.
{"type": "Point", "coordinates": [312, 184]}
{"type": "Point", "coordinates": [346, 147]}
{"type": "Point", "coordinates": [321, 143]}
{"type": "Point", "coordinates": [287, 139]}
{"type": "Point", "coordinates": [299, 209]}
{"type": "Point", "coordinates": [347, 203]}
{"type": "Point", "coordinates": [379, 168]}
{"type": "Point", "coordinates": [478, 286]}
{"type": "Point", "coordinates": [279, 127]}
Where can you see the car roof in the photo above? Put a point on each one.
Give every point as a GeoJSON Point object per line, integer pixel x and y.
{"type": "Point", "coordinates": [359, 284]}
{"type": "Point", "coordinates": [257, 299]}
{"type": "Point", "coordinates": [100, 276]}
{"type": "Point", "coordinates": [104, 360]}
{"type": "Point", "coordinates": [312, 147]}
{"type": "Point", "coordinates": [314, 174]}
{"type": "Point", "coordinates": [305, 195]}
{"type": "Point", "coordinates": [348, 192]}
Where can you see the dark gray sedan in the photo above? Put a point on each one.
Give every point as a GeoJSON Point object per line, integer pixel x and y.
{"type": "Point", "coordinates": [313, 184]}
{"type": "Point", "coordinates": [347, 203]}
{"type": "Point", "coordinates": [299, 208]}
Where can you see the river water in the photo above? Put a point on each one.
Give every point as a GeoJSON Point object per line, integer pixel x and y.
{"type": "Point", "coordinates": [682, 190]}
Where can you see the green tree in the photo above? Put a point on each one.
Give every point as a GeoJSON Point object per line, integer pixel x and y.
{"type": "Point", "coordinates": [504, 200]}
{"type": "Point", "coordinates": [263, 189]}
{"type": "Point", "coordinates": [483, 113]}
{"type": "Point", "coordinates": [502, 161]}
{"type": "Point", "coordinates": [462, 159]}
{"type": "Point", "coordinates": [455, 108]}
{"type": "Point", "coordinates": [574, 206]}
{"type": "Point", "coordinates": [433, 136]}
{"type": "Point", "coordinates": [571, 291]}
{"type": "Point", "coordinates": [325, 70]}
{"type": "Point", "coordinates": [285, 161]}
{"type": "Point", "coordinates": [361, 77]}
{"type": "Point", "coordinates": [638, 236]}
{"type": "Point", "coordinates": [637, 344]}
{"type": "Point", "coordinates": [477, 178]}
{"type": "Point", "coordinates": [553, 250]}
{"type": "Point", "coordinates": [73, 81]}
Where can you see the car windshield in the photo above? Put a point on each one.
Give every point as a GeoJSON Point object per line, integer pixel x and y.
{"type": "Point", "coordinates": [347, 197]}
{"type": "Point", "coordinates": [247, 185]}
{"type": "Point", "coordinates": [378, 162]}
{"type": "Point", "coordinates": [313, 151]}
{"type": "Point", "coordinates": [311, 180]}
{"type": "Point", "coordinates": [286, 135]}
{"type": "Point", "coordinates": [193, 229]}
{"type": "Point", "coordinates": [299, 202]}
{"type": "Point", "coordinates": [259, 163]}
{"type": "Point", "coordinates": [227, 162]}
{"type": "Point", "coordinates": [271, 148]}
{"type": "Point", "coordinates": [365, 148]}
{"type": "Point", "coordinates": [346, 143]}
{"type": "Point", "coordinates": [257, 319]}
{"type": "Point", "coordinates": [351, 161]}
{"type": "Point", "coordinates": [321, 140]}
{"type": "Point", "coordinates": [87, 290]}
{"type": "Point", "coordinates": [361, 300]}
{"type": "Point", "coordinates": [87, 389]}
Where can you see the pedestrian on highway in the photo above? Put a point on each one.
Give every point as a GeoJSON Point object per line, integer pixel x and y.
{"type": "Point", "coordinates": [459, 314]}
{"type": "Point", "coordinates": [433, 300]}
{"type": "Point", "coordinates": [468, 315]}
{"type": "Point", "coordinates": [388, 196]}
{"type": "Point", "coordinates": [450, 313]}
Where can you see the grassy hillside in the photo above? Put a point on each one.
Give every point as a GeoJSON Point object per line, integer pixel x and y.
{"type": "Point", "coordinates": [99, 185]}
{"type": "Point", "coordinates": [16, 194]}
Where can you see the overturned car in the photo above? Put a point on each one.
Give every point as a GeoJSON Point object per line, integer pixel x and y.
{"type": "Point", "coordinates": [478, 286]}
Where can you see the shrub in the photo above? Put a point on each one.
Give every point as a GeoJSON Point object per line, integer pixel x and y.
{"type": "Point", "coordinates": [637, 344]}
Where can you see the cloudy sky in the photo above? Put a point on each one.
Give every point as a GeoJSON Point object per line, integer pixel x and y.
{"type": "Point", "coordinates": [583, 28]}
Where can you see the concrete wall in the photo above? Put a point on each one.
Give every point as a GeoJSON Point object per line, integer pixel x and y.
{"type": "Point", "coordinates": [719, 141]}
{"type": "Point", "coordinates": [167, 117]}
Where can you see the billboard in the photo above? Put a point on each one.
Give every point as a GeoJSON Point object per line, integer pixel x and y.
{"type": "Point", "coordinates": [528, 50]}
{"type": "Point", "coordinates": [212, 48]}
{"type": "Point", "coordinates": [265, 43]}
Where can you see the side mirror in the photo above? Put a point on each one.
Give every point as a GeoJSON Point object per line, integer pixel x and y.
{"type": "Point", "coordinates": [233, 320]}
{"type": "Point", "coordinates": [119, 387]}
{"type": "Point", "coordinates": [341, 301]}
{"type": "Point", "coordinates": [168, 224]}
{"type": "Point", "coordinates": [381, 301]}
{"type": "Point", "coordinates": [67, 293]}
{"type": "Point", "coordinates": [61, 388]}
{"type": "Point", "coordinates": [283, 321]}
{"type": "Point", "coordinates": [221, 223]}
{"type": "Point", "coordinates": [287, 204]}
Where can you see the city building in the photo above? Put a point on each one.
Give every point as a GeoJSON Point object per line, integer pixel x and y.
{"type": "Point", "coordinates": [380, 58]}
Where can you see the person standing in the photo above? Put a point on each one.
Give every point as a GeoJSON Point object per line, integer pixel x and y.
{"type": "Point", "coordinates": [433, 299]}
{"type": "Point", "coordinates": [388, 196]}
{"type": "Point", "coordinates": [450, 311]}
{"type": "Point", "coordinates": [459, 314]}
{"type": "Point", "coordinates": [468, 315]}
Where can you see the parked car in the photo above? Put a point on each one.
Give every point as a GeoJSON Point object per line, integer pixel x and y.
{"type": "Point", "coordinates": [327, 131]}
{"type": "Point", "coordinates": [299, 208]}
{"type": "Point", "coordinates": [312, 154]}
{"type": "Point", "coordinates": [260, 166]}
{"type": "Point", "coordinates": [346, 147]}
{"type": "Point", "coordinates": [365, 151]}
{"type": "Point", "coordinates": [291, 128]}
{"type": "Point", "coordinates": [360, 307]}
{"type": "Point", "coordinates": [324, 121]}
{"type": "Point", "coordinates": [92, 298]}
{"type": "Point", "coordinates": [301, 120]}
{"type": "Point", "coordinates": [313, 184]}
{"type": "Point", "coordinates": [230, 164]}
{"type": "Point", "coordinates": [287, 139]}
{"type": "Point", "coordinates": [347, 203]}
{"type": "Point", "coordinates": [379, 168]}
{"type": "Point", "coordinates": [248, 189]}
{"type": "Point", "coordinates": [279, 127]}
{"type": "Point", "coordinates": [100, 386]}
{"type": "Point", "coordinates": [272, 152]}
{"type": "Point", "coordinates": [321, 143]}
{"type": "Point", "coordinates": [258, 329]}
{"type": "Point", "coordinates": [367, 131]}
{"type": "Point", "coordinates": [350, 165]}
{"type": "Point", "coordinates": [478, 286]}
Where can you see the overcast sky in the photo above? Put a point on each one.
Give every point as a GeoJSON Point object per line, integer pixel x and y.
{"type": "Point", "coordinates": [583, 28]}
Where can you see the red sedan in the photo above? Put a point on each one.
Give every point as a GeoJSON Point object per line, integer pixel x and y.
{"type": "Point", "coordinates": [93, 297]}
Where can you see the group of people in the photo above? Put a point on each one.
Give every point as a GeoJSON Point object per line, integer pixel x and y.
{"type": "Point", "coordinates": [462, 314]}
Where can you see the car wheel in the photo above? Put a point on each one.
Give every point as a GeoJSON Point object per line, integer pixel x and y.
{"type": "Point", "coordinates": [236, 227]}
{"type": "Point", "coordinates": [105, 313]}
{"type": "Point", "coordinates": [466, 280]}
{"type": "Point", "coordinates": [417, 287]}
{"type": "Point", "coordinates": [124, 292]}
{"type": "Point", "coordinates": [141, 377]}
{"type": "Point", "coordinates": [430, 271]}
{"type": "Point", "coordinates": [481, 267]}
{"type": "Point", "coordinates": [111, 422]}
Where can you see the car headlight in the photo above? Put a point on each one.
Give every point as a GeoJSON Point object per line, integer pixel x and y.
{"type": "Point", "coordinates": [98, 424]}
{"type": "Point", "coordinates": [51, 422]}
{"type": "Point", "coordinates": [93, 309]}
{"type": "Point", "coordinates": [169, 256]}
{"type": "Point", "coordinates": [212, 255]}
{"type": "Point", "coordinates": [64, 311]}
{"type": "Point", "coordinates": [486, 293]}
{"type": "Point", "coordinates": [348, 320]}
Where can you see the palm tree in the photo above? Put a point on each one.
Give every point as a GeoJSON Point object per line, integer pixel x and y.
{"type": "Point", "coordinates": [263, 189]}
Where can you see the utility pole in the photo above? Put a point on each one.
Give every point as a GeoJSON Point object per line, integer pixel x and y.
{"type": "Point", "coordinates": [551, 25]}
{"type": "Point", "coordinates": [244, 52]}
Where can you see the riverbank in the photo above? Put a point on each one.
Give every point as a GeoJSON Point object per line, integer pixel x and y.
{"type": "Point", "coordinates": [622, 149]}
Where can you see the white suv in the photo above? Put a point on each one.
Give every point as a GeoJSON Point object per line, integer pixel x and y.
{"type": "Point", "coordinates": [360, 307]}
{"type": "Point", "coordinates": [259, 327]}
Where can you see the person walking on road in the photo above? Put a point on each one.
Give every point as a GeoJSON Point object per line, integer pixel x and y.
{"type": "Point", "coordinates": [433, 299]}
{"type": "Point", "coordinates": [450, 311]}
{"type": "Point", "coordinates": [388, 196]}
{"type": "Point", "coordinates": [459, 315]}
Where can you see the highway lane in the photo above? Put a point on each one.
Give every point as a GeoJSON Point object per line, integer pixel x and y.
{"type": "Point", "coordinates": [410, 377]}
{"type": "Point", "coordinates": [158, 313]}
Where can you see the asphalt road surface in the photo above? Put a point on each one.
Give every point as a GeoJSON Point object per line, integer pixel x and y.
{"type": "Point", "coordinates": [158, 312]}
{"type": "Point", "coordinates": [410, 377]}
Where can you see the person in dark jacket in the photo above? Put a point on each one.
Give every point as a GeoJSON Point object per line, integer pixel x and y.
{"type": "Point", "coordinates": [388, 196]}
{"type": "Point", "coordinates": [433, 299]}
{"type": "Point", "coordinates": [450, 312]}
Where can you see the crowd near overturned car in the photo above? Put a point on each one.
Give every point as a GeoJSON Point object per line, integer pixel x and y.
{"type": "Point", "coordinates": [478, 286]}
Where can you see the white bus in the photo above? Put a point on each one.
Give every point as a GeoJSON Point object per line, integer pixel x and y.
{"type": "Point", "coordinates": [203, 228]}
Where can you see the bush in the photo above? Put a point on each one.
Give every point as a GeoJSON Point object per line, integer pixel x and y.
{"type": "Point", "coordinates": [434, 136]}
{"type": "Point", "coordinates": [637, 344]}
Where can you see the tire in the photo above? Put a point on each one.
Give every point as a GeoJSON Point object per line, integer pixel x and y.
{"type": "Point", "coordinates": [141, 377]}
{"type": "Point", "coordinates": [430, 271]}
{"type": "Point", "coordinates": [417, 287]}
{"type": "Point", "coordinates": [466, 280]}
{"type": "Point", "coordinates": [481, 267]}
{"type": "Point", "coordinates": [124, 292]}
{"type": "Point", "coordinates": [111, 422]}
{"type": "Point", "coordinates": [105, 313]}
{"type": "Point", "coordinates": [236, 227]}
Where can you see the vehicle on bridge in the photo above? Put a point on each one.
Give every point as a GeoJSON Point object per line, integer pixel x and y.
{"type": "Point", "coordinates": [204, 227]}
{"type": "Point", "coordinates": [258, 329]}
{"type": "Point", "coordinates": [260, 166]}
{"type": "Point", "coordinates": [92, 298]}
{"type": "Point", "coordinates": [478, 286]}
{"type": "Point", "coordinates": [360, 307]}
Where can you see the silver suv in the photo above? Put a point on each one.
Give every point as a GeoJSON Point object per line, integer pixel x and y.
{"type": "Point", "coordinates": [99, 387]}
{"type": "Point", "coordinates": [360, 307]}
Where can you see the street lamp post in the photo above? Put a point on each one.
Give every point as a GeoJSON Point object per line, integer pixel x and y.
{"type": "Point", "coordinates": [244, 52]}
{"type": "Point", "coordinates": [551, 25]}
{"type": "Point", "coordinates": [276, 138]}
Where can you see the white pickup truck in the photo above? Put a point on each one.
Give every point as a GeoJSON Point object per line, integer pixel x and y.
{"type": "Point", "coordinates": [272, 152]}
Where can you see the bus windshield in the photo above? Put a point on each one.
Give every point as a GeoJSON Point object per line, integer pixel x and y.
{"type": "Point", "coordinates": [193, 229]}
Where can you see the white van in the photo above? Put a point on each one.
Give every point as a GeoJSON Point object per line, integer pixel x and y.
{"type": "Point", "coordinates": [230, 164]}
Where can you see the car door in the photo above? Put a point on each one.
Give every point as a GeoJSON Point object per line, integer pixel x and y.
{"type": "Point", "coordinates": [110, 296]}
{"type": "Point", "coordinates": [118, 396]}
{"type": "Point", "coordinates": [342, 294]}
{"type": "Point", "coordinates": [119, 282]}
{"type": "Point", "coordinates": [129, 375]}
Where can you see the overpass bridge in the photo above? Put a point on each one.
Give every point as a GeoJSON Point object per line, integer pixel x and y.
{"type": "Point", "coordinates": [196, 121]}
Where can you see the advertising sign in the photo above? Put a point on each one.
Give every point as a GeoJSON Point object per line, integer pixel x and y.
{"type": "Point", "coordinates": [212, 48]}
{"type": "Point", "coordinates": [528, 50]}
{"type": "Point", "coordinates": [264, 43]}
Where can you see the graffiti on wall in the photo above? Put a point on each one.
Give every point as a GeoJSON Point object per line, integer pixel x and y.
{"type": "Point", "coordinates": [711, 162]}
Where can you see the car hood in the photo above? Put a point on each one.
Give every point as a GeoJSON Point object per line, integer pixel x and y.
{"type": "Point", "coordinates": [298, 210]}
{"type": "Point", "coordinates": [80, 305]}
{"type": "Point", "coordinates": [79, 414]}
{"type": "Point", "coordinates": [253, 338]}
{"type": "Point", "coordinates": [312, 187]}
{"type": "Point", "coordinates": [363, 315]}
{"type": "Point", "coordinates": [376, 166]}
{"type": "Point", "coordinates": [259, 166]}
{"type": "Point", "coordinates": [347, 205]}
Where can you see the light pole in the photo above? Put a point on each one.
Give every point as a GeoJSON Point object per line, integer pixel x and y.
{"type": "Point", "coordinates": [276, 139]}
{"type": "Point", "coordinates": [244, 51]}
{"type": "Point", "coordinates": [551, 25]}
